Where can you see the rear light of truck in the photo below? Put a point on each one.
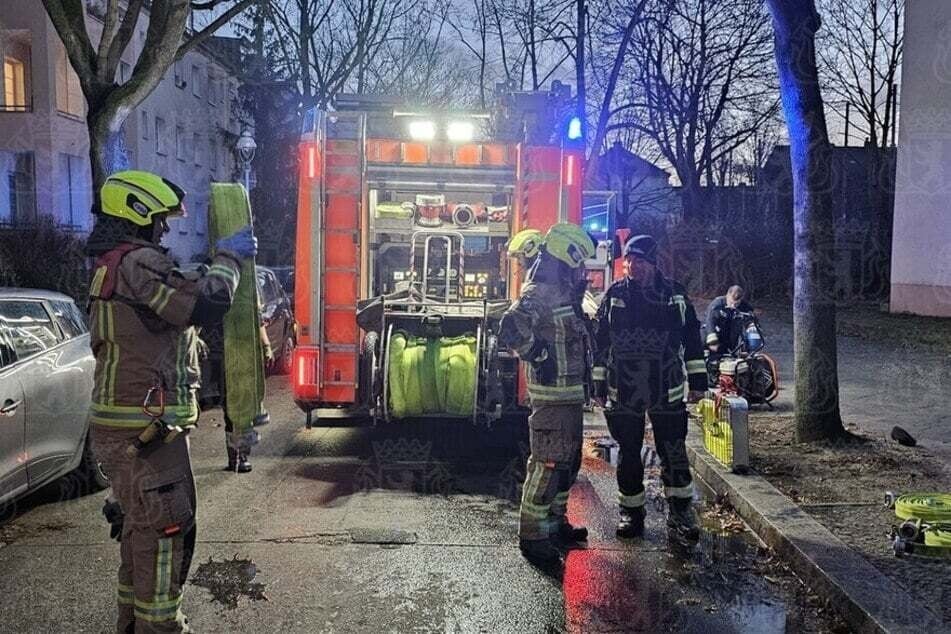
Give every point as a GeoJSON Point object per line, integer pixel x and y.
{"type": "Point", "coordinates": [306, 373]}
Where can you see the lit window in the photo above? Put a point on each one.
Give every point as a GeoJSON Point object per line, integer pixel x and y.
{"type": "Point", "coordinates": [15, 68]}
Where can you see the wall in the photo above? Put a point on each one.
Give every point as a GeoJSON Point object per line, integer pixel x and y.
{"type": "Point", "coordinates": [921, 243]}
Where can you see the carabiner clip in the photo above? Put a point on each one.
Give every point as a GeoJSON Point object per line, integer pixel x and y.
{"type": "Point", "coordinates": [148, 409]}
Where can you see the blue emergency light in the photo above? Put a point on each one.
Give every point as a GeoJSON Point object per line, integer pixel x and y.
{"type": "Point", "coordinates": [574, 128]}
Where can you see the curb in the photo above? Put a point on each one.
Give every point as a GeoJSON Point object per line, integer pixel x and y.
{"type": "Point", "coordinates": [868, 600]}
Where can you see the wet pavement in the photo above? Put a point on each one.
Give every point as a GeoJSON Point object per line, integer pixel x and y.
{"type": "Point", "coordinates": [399, 530]}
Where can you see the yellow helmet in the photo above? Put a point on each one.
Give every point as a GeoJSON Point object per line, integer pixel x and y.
{"type": "Point", "coordinates": [139, 196]}
{"type": "Point", "coordinates": [569, 243]}
{"type": "Point", "coordinates": [525, 243]}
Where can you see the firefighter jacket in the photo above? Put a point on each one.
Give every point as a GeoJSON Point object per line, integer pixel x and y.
{"type": "Point", "coordinates": [720, 324]}
{"type": "Point", "coordinates": [142, 312]}
{"type": "Point", "coordinates": [545, 328]}
{"type": "Point", "coordinates": [648, 345]}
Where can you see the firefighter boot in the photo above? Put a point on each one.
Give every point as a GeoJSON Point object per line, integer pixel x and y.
{"type": "Point", "coordinates": [631, 523]}
{"type": "Point", "coordinates": [238, 461]}
{"type": "Point", "coordinates": [682, 518]}
{"type": "Point", "coordinates": [541, 553]}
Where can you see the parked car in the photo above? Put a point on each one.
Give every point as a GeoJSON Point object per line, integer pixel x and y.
{"type": "Point", "coordinates": [285, 275]}
{"type": "Point", "coordinates": [46, 380]}
{"type": "Point", "coordinates": [277, 316]}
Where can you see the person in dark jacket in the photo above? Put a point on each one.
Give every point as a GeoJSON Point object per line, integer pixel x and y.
{"type": "Point", "coordinates": [649, 361]}
{"type": "Point", "coordinates": [720, 321]}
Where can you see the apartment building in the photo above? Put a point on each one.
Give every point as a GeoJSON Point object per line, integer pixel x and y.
{"type": "Point", "coordinates": [185, 130]}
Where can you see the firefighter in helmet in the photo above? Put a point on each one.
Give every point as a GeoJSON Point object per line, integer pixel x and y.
{"type": "Point", "coordinates": [649, 361]}
{"type": "Point", "coordinates": [544, 328]}
{"type": "Point", "coordinates": [524, 248]}
{"type": "Point", "coordinates": [142, 313]}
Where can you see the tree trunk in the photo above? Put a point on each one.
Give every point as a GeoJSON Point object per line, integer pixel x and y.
{"type": "Point", "coordinates": [580, 68]}
{"type": "Point", "coordinates": [107, 151]}
{"type": "Point", "coordinates": [816, 365]}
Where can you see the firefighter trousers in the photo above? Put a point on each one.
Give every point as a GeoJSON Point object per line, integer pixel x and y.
{"type": "Point", "coordinates": [669, 423]}
{"type": "Point", "coordinates": [156, 491]}
{"type": "Point", "coordinates": [555, 435]}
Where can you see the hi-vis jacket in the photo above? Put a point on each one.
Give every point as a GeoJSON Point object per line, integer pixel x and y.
{"type": "Point", "coordinates": [648, 345]}
{"type": "Point", "coordinates": [142, 310]}
{"type": "Point", "coordinates": [545, 329]}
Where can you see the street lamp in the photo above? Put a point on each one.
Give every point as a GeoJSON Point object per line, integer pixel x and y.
{"type": "Point", "coordinates": [245, 148]}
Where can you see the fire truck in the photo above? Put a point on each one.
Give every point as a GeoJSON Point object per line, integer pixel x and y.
{"type": "Point", "coordinates": [402, 224]}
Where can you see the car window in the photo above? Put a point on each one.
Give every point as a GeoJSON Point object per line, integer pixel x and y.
{"type": "Point", "coordinates": [265, 288]}
{"type": "Point", "coordinates": [31, 329]}
{"type": "Point", "coordinates": [71, 320]}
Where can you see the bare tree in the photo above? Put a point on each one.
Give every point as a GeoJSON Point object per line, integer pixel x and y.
{"type": "Point", "coordinates": [109, 103]}
{"type": "Point", "coordinates": [860, 52]}
{"type": "Point", "coordinates": [816, 363]}
{"type": "Point", "coordinates": [699, 86]}
{"type": "Point", "coordinates": [323, 43]}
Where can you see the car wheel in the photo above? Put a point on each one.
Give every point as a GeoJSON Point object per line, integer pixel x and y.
{"type": "Point", "coordinates": [283, 363]}
{"type": "Point", "coordinates": [89, 476]}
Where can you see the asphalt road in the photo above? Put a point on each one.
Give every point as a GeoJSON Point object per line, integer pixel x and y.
{"type": "Point", "coordinates": [405, 530]}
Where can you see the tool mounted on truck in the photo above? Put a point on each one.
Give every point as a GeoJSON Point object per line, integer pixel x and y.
{"type": "Point", "coordinates": [401, 268]}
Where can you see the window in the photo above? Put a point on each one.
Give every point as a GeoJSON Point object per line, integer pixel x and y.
{"type": "Point", "coordinates": [17, 188]}
{"type": "Point", "coordinates": [213, 155]}
{"type": "Point", "coordinates": [196, 148]}
{"type": "Point", "coordinates": [69, 94]}
{"type": "Point", "coordinates": [196, 80]}
{"type": "Point", "coordinates": [213, 88]}
{"type": "Point", "coordinates": [180, 74]}
{"type": "Point", "coordinates": [73, 192]}
{"type": "Point", "coordinates": [70, 319]}
{"type": "Point", "coordinates": [30, 327]}
{"type": "Point", "coordinates": [180, 143]}
{"type": "Point", "coordinates": [144, 123]}
{"type": "Point", "coordinates": [161, 131]}
{"type": "Point", "coordinates": [199, 209]}
{"type": "Point", "coordinates": [15, 52]}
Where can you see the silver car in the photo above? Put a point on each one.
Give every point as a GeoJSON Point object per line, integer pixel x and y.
{"type": "Point", "coordinates": [46, 379]}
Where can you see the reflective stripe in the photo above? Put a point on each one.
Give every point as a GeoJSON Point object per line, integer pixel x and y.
{"type": "Point", "coordinates": [696, 366]}
{"type": "Point", "coordinates": [561, 353]}
{"type": "Point", "coordinates": [632, 501]}
{"type": "Point", "coordinates": [160, 300]}
{"type": "Point", "coordinates": [125, 593]}
{"type": "Point", "coordinates": [134, 417]}
{"type": "Point", "coordinates": [713, 338]}
{"type": "Point", "coordinates": [163, 570]}
{"type": "Point", "coordinates": [534, 510]}
{"type": "Point", "coordinates": [617, 301]}
{"type": "Point", "coordinates": [549, 394]}
{"type": "Point", "coordinates": [563, 311]}
{"type": "Point", "coordinates": [157, 611]}
{"type": "Point", "coordinates": [677, 393]}
{"type": "Point", "coordinates": [599, 373]}
{"type": "Point", "coordinates": [679, 492]}
{"type": "Point", "coordinates": [219, 270]}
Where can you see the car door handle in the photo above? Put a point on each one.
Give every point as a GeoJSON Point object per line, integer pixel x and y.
{"type": "Point", "coordinates": [9, 406]}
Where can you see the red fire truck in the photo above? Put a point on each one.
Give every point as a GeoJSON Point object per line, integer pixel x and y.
{"type": "Point", "coordinates": [402, 223]}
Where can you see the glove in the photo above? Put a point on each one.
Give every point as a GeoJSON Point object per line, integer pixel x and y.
{"type": "Point", "coordinates": [113, 514]}
{"type": "Point", "coordinates": [242, 244]}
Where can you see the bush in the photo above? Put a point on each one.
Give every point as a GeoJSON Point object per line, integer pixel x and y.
{"type": "Point", "coordinates": [44, 256]}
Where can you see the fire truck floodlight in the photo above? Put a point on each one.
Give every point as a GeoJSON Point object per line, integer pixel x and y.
{"type": "Point", "coordinates": [422, 130]}
{"type": "Point", "coordinates": [574, 128]}
{"type": "Point", "coordinates": [460, 131]}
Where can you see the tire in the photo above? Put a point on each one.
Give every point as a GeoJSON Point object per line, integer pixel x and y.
{"type": "Point", "coordinates": [282, 365]}
{"type": "Point", "coordinates": [87, 478]}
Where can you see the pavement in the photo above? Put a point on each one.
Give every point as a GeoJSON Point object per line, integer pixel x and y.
{"type": "Point", "coordinates": [406, 529]}
{"type": "Point", "coordinates": [881, 384]}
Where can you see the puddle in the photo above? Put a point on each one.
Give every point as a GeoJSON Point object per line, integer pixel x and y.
{"type": "Point", "coordinates": [228, 580]}
{"type": "Point", "coordinates": [12, 532]}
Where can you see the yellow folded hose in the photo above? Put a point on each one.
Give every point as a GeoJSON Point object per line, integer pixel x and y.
{"type": "Point", "coordinates": [928, 507]}
{"type": "Point", "coordinates": [939, 535]}
{"type": "Point", "coordinates": [431, 376]}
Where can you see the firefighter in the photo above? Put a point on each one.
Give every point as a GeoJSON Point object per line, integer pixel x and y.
{"type": "Point", "coordinates": [721, 337]}
{"type": "Point", "coordinates": [544, 329]}
{"type": "Point", "coordinates": [524, 247]}
{"type": "Point", "coordinates": [649, 361]}
{"type": "Point", "coordinates": [142, 313]}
